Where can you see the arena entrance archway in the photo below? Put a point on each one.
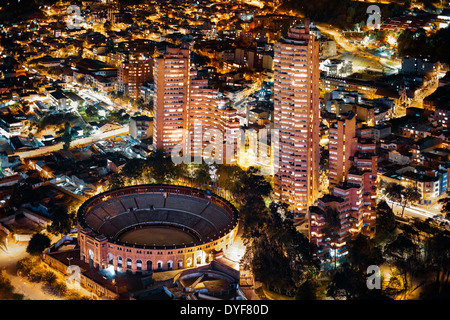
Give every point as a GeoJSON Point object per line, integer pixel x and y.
{"type": "Point", "coordinates": [110, 259]}
{"type": "Point", "coordinates": [91, 258]}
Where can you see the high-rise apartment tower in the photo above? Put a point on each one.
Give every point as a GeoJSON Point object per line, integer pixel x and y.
{"type": "Point", "coordinates": [296, 117]}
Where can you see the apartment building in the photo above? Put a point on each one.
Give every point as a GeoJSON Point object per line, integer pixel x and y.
{"type": "Point", "coordinates": [296, 118]}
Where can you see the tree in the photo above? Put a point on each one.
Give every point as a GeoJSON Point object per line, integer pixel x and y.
{"type": "Point", "coordinates": [307, 291]}
{"type": "Point", "coordinates": [403, 253]}
{"type": "Point", "coordinates": [445, 209]}
{"type": "Point", "coordinates": [251, 184]}
{"type": "Point", "coordinates": [38, 243]}
{"type": "Point", "coordinates": [385, 222]}
{"type": "Point", "coordinates": [202, 176]}
{"type": "Point", "coordinates": [18, 8]}
{"type": "Point", "coordinates": [6, 288]}
{"type": "Point", "coordinates": [115, 180]}
{"type": "Point", "coordinates": [249, 192]}
{"type": "Point", "coordinates": [418, 44]}
{"type": "Point", "coordinates": [67, 136]}
{"type": "Point", "coordinates": [410, 195]}
{"type": "Point", "coordinates": [57, 119]}
{"type": "Point", "coordinates": [60, 288]}
{"type": "Point", "coordinates": [253, 215]}
{"type": "Point", "coordinates": [49, 277]}
{"type": "Point", "coordinates": [363, 252]}
{"type": "Point", "coordinates": [161, 168]}
{"type": "Point", "coordinates": [332, 229]}
{"type": "Point", "coordinates": [347, 283]}
{"type": "Point", "coordinates": [107, 25]}
{"type": "Point", "coordinates": [62, 220]}
{"type": "Point", "coordinates": [278, 255]}
{"type": "Point", "coordinates": [228, 176]}
{"type": "Point", "coordinates": [26, 264]}
{"type": "Point", "coordinates": [402, 247]}
{"type": "Point", "coordinates": [72, 294]}
{"type": "Point", "coordinates": [91, 111]}
{"type": "Point", "coordinates": [393, 192]}
{"type": "Point", "coordinates": [36, 274]}
{"type": "Point", "coordinates": [120, 117]}
{"type": "Point", "coordinates": [133, 171]}
{"type": "Point", "coordinates": [271, 266]}
{"type": "Point", "coordinates": [24, 193]}
{"type": "Point", "coordinates": [438, 257]}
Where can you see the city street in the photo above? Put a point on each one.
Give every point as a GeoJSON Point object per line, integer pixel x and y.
{"type": "Point", "coordinates": [415, 211]}
{"type": "Point", "coordinates": [75, 143]}
{"type": "Point", "coordinates": [93, 96]}
{"type": "Point", "coordinates": [30, 290]}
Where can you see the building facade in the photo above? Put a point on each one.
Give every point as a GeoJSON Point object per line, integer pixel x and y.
{"type": "Point", "coordinates": [212, 219]}
{"type": "Point", "coordinates": [132, 74]}
{"type": "Point", "coordinates": [349, 209]}
{"type": "Point", "coordinates": [141, 127]}
{"type": "Point", "coordinates": [171, 79]}
{"type": "Point", "coordinates": [190, 116]}
{"type": "Point", "coordinates": [212, 125]}
{"type": "Point", "coordinates": [296, 118]}
{"type": "Point", "coordinates": [342, 145]}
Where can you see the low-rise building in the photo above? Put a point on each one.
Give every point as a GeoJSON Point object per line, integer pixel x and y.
{"type": "Point", "coordinates": [381, 131]}
{"type": "Point", "coordinates": [336, 67]}
{"type": "Point", "coordinates": [417, 66]}
{"type": "Point", "coordinates": [58, 98]}
{"type": "Point", "coordinates": [12, 125]}
{"type": "Point", "coordinates": [141, 127]}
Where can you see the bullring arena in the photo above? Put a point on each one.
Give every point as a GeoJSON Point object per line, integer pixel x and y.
{"type": "Point", "coordinates": [154, 227]}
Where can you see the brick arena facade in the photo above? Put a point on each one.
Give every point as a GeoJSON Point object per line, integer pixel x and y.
{"type": "Point", "coordinates": [186, 225]}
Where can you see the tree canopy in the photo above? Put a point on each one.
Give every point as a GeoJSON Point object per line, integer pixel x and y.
{"type": "Point", "coordinates": [419, 44]}
{"type": "Point", "coordinates": [38, 243]}
{"type": "Point", "coordinates": [280, 256]}
{"type": "Point", "coordinates": [62, 220]}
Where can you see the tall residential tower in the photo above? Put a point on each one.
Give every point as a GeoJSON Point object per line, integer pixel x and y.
{"type": "Point", "coordinates": [191, 117]}
{"type": "Point", "coordinates": [296, 117]}
{"type": "Point", "coordinates": [171, 74]}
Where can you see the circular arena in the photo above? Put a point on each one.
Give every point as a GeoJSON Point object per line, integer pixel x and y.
{"type": "Point", "coordinates": [154, 227]}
